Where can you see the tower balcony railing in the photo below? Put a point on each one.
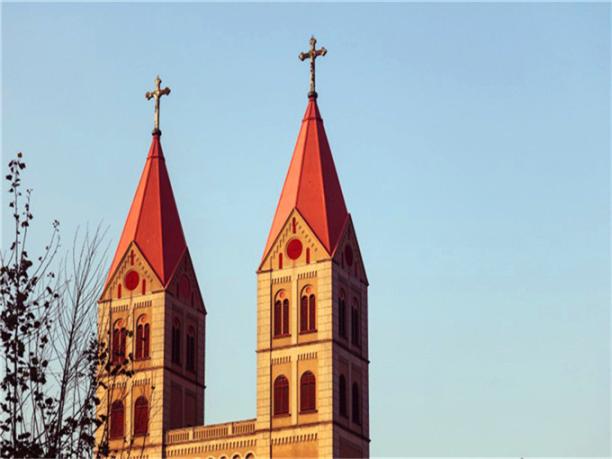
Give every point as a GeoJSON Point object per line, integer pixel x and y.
{"type": "Point", "coordinates": [210, 432]}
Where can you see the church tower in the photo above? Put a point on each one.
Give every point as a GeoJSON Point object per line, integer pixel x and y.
{"type": "Point", "coordinates": [312, 310]}
{"type": "Point", "coordinates": [152, 316]}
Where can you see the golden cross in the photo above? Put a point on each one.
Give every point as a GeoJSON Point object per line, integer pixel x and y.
{"type": "Point", "coordinates": [156, 94]}
{"type": "Point", "coordinates": [312, 54]}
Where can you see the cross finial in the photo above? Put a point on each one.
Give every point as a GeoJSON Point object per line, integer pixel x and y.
{"type": "Point", "coordinates": [156, 94]}
{"type": "Point", "coordinates": [312, 54]}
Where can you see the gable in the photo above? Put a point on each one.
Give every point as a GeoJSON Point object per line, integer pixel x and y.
{"type": "Point", "coordinates": [184, 285]}
{"type": "Point", "coordinates": [347, 253]}
{"type": "Point", "coordinates": [296, 244]}
{"type": "Point", "coordinates": [133, 276]}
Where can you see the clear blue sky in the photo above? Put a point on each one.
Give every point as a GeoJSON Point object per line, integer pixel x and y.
{"type": "Point", "coordinates": [472, 143]}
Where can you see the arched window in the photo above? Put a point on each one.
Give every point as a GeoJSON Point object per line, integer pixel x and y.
{"type": "Point", "coordinates": [118, 345]}
{"type": "Point", "coordinates": [281, 395]}
{"type": "Point", "coordinates": [250, 456]}
{"type": "Point", "coordinates": [116, 420]}
{"type": "Point", "coordinates": [285, 316]}
{"type": "Point", "coordinates": [141, 416]}
{"type": "Point", "coordinates": [236, 456]}
{"type": "Point", "coordinates": [356, 404]}
{"type": "Point", "coordinates": [278, 318]}
{"type": "Point", "coordinates": [342, 395]}
{"type": "Point", "coordinates": [342, 314]}
{"type": "Point", "coordinates": [304, 314]}
{"type": "Point", "coordinates": [355, 324]}
{"type": "Point", "coordinates": [176, 341]}
{"type": "Point", "coordinates": [308, 390]}
{"type": "Point", "coordinates": [308, 306]}
{"type": "Point", "coordinates": [312, 313]}
{"type": "Point", "coordinates": [281, 315]}
{"type": "Point", "coordinates": [191, 348]}
{"type": "Point", "coordinates": [143, 334]}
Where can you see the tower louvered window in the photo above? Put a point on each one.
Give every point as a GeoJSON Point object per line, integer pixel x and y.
{"type": "Point", "coordinates": [285, 317]}
{"type": "Point", "coordinates": [191, 348]}
{"type": "Point", "coordinates": [176, 342]}
{"type": "Point", "coordinates": [281, 317]}
{"type": "Point", "coordinates": [355, 325]}
{"type": "Point", "coordinates": [142, 338]}
{"type": "Point", "coordinates": [118, 344]}
{"type": "Point", "coordinates": [342, 315]}
{"type": "Point", "coordinates": [308, 306]}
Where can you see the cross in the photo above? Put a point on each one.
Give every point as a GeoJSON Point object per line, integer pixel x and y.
{"type": "Point", "coordinates": [156, 94]}
{"type": "Point", "coordinates": [312, 54]}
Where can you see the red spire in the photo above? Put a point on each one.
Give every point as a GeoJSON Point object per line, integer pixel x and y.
{"type": "Point", "coordinates": [153, 221]}
{"type": "Point", "coordinates": [312, 186]}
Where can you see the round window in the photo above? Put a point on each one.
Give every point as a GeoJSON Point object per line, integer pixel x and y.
{"type": "Point", "coordinates": [131, 280]}
{"type": "Point", "coordinates": [294, 249]}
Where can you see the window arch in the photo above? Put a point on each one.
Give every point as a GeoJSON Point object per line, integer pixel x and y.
{"type": "Point", "coordinates": [342, 314]}
{"type": "Point", "coordinates": [308, 390]}
{"type": "Point", "coordinates": [281, 395]}
{"type": "Point", "coordinates": [355, 324]}
{"type": "Point", "coordinates": [141, 416]}
{"type": "Point", "coordinates": [281, 315]}
{"type": "Point", "coordinates": [250, 456]}
{"type": "Point", "coordinates": [176, 341]}
{"type": "Point", "coordinates": [236, 456]}
{"type": "Point", "coordinates": [308, 306]}
{"type": "Point", "coordinates": [356, 408]}
{"type": "Point", "coordinates": [118, 344]}
{"type": "Point", "coordinates": [342, 395]}
{"type": "Point", "coordinates": [143, 334]}
{"type": "Point", "coordinates": [116, 419]}
{"type": "Point", "coordinates": [191, 349]}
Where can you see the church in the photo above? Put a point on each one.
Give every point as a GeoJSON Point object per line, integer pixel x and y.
{"type": "Point", "coordinates": [312, 321]}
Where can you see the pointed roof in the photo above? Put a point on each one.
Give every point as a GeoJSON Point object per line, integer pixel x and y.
{"type": "Point", "coordinates": [153, 221]}
{"type": "Point", "coordinates": [312, 186]}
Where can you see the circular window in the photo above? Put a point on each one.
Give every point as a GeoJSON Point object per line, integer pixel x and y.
{"type": "Point", "coordinates": [294, 249]}
{"type": "Point", "coordinates": [131, 280]}
{"type": "Point", "coordinates": [348, 255]}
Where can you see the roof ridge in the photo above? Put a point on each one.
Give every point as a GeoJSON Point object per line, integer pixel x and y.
{"type": "Point", "coordinates": [303, 154]}
{"type": "Point", "coordinates": [323, 187]}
